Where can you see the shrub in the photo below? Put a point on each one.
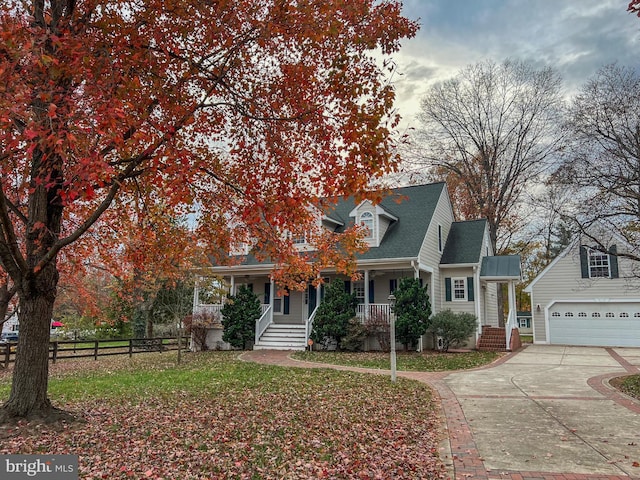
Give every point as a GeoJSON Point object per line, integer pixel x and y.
{"type": "Point", "coordinates": [335, 311]}
{"type": "Point", "coordinates": [355, 337]}
{"type": "Point", "coordinates": [378, 326]}
{"type": "Point", "coordinates": [454, 328]}
{"type": "Point", "coordinates": [239, 318]}
{"type": "Point", "coordinates": [412, 310]}
{"type": "Point", "coordinates": [197, 326]}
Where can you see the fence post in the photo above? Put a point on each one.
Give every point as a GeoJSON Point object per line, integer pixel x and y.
{"type": "Point", "coordinates": [55, 351]}
{"type": "Point", "coordinates": [130, 347]}
{"type": "Point", "coordinates": [95, 350]}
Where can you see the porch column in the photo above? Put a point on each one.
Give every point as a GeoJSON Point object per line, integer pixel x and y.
{"type": "Point", "coordinates": [366, 294]}
{"type": "Point", "coordinates": [512, 311]}
{"type": "Point", "coordinates": [232, 285]}
{"type": "Point", "coordinates": [272, 295]}
{"type": "Point", "coordinates": [196, 296]}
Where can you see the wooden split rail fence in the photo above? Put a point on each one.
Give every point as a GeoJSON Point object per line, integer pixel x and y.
{"type": "Point", "coordinates": [64, 349]}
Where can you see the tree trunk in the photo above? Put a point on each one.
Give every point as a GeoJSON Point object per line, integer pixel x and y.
{"type": "Point", "coordinates": [28, 398]}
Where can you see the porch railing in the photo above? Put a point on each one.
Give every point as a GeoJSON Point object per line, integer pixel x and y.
{"type": "Point", "coordinates": [213, 310]}
{"type": "Point", "coordinates": [309, 325]}
{"type": "Point", "coordinates": [263, 322]}
{"type": "Point", "coordinates": [380, 310]}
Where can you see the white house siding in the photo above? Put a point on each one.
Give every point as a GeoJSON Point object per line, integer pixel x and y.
{"type": "Point", "coordinates": [562, 281]}
{"type": "Point", "coordinates": [429, 253]}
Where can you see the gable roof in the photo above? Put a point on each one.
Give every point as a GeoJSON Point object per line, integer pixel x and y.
{"type": "Point", "coordinates": [464, 243]}
{"type": "Point", "coordinates": [412, 206]}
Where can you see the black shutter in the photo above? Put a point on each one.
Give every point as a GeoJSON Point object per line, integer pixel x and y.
{"type": "Point", "coordinates": [347, 286]}
{"type": "Point", "coordinates": [613, 261]}
{"type": "Point", "coordinates": [286, 303]}
{"type": "Point", "coordinates": [267, 293]}
{"type": "Point", "coordinates": [393, 284]}
{"type": "Point", "coordinates": [371, 294]}
{"type": "Point", "coordinates": [470, 296]}
{"type": "Point", "coordinates": [584, 262]}
{"type": "Point", "coordinates": [447, 289]}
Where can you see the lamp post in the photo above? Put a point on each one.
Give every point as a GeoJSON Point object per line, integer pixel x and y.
{"type": "Point", "coordinates": [392, 332]}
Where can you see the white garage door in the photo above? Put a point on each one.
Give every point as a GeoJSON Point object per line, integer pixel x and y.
{"type": "Point", "coordinates": [608, 324]}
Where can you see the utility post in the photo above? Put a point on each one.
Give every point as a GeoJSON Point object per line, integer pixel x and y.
{"type": "Point", "coordinates": [392, 333]}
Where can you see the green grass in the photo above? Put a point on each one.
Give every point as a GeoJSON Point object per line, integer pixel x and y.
{"type": "Point", "coordinates": [215, 416]}
{"type": "Point", "coordinates": [526, 338]}
{"type": "Point", "coordinates": [408, 361]}
{"type": "Point", "coordinates": [631, 386]}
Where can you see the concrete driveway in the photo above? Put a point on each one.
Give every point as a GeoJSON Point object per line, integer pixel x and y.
{"type": "Point", "coordinates": [550, 409]}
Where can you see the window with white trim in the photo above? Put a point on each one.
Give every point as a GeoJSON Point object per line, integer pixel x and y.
{"type": "Point", "coordinates": [582, 314]}
{"type": "Point", "coordinates": [459, 288]}
{"type": "Point", "coordinates": [598, 264]}
{"type": "Point", "coordinates": [595, 314]}
{"type": "Point", "coordinates": [610, 315]}
{"type": "Point", "coordinates": [555, 314]}
{"type": "Point", "coordinates": [637, 314]}
{"type": "Point", "coordinates": [568, 314]}
{"type": "Point", "coordinates": [366, 220]}
{"type": "Point", "coordinates": [624, 315]}
{"type": "Point", "coordinates": [358, 290]}
{"type": "Point", "coordinates": [524, 322]}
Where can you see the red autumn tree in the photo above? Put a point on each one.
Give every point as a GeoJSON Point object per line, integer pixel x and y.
{"type": "Point", "coordinates": [634, 7]}
{"type": "Point", "coordinates": [244, 113]}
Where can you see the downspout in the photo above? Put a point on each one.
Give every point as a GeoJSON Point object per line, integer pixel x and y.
{"type": "Point", "coordinates": [416, 274]}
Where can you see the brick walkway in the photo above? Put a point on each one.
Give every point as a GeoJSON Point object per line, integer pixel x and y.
{"type": "Point", "coordinates": [466, 461]}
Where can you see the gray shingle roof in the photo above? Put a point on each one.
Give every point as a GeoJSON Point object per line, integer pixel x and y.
{"type": "Point", "coordinates": [464, 242]}
{"type": "Point", "coordinates": [503, 266]}
{"type": "Point", "coordinates": [413, 206]}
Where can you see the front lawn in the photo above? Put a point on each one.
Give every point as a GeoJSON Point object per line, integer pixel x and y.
{"type": "Point", "coordinates": [215, 417]}
{"type": "Point", "coordinates": [429, 361]}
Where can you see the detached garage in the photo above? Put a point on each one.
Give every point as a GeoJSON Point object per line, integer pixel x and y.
{"type": "Point", "coordinates": [611, 323]}
{"type": "Point", "coordinates": [588, 296]}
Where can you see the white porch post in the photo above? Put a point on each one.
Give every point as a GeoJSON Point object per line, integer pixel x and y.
{"type": "Point", "coordinates": [318, 289]}
{"type": "Point", "coordinates": [479, 294]}
{"type": "Point", "coordinates": [232, 285]}
{"type": "Point", "coordinates": [196, 296]}
{"type": "Point", "coordinates": [272, 295]}
{"type": "Point", "coordinates": [512, 312]}
{"type": "Point", "coordinates": [366, 294]}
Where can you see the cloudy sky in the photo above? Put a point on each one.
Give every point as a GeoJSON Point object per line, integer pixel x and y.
{"type": "Point", "coordinates": [576, 37]}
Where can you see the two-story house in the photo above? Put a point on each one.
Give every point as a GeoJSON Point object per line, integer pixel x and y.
{"type": "Point", "coordinates": [415, 237]}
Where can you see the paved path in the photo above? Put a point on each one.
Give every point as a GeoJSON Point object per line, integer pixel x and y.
{"type": "Point", "coordinates": [543, 413]}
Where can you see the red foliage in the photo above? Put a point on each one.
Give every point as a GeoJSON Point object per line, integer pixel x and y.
{"type": "Point", "coordinates": [634, 7]}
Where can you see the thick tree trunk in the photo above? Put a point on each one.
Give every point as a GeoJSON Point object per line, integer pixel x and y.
{"type": "Point", "coordinates": [28, 398]}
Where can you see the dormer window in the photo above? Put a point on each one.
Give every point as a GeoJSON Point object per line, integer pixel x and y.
{"type": "Point", "coordinates": [366, 219]}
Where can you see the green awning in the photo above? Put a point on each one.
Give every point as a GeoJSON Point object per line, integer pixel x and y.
{"type": "Point", "coordinates": [501, 267]}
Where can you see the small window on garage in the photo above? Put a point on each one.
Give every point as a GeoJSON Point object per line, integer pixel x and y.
{"type": "Point", "coordinates": [624, 315]}
{"type": "Point", "coordinates": [555, 314]}
{"type": "Point", "coordinates": [568, 314]}
{"type": "Point", "coordinates": [582, 314]}
{"type": "Point", "coordinates": [637, 314]}
{"type": "Point", "coordinates": [610, 315]}
{"type": "Point", "coordinates": [595, 314]}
